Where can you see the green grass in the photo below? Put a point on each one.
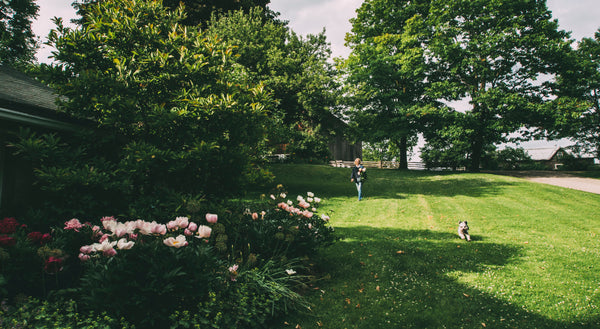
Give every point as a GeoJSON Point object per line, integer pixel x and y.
{"type": "Point", "coordinates": [534, 261]}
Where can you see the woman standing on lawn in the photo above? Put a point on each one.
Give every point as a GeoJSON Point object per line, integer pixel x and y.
{"type": "Point", "coordinates": [358, 176]}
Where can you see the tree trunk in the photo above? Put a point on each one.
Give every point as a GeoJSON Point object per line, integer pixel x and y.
{"type": "Point", "coordinates": [476, 152]}
{"type": "Point", "coordinates": [403, 153]}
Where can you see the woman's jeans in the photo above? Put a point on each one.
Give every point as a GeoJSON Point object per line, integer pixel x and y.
{"type": "Point", "coordinates": [359, 189]}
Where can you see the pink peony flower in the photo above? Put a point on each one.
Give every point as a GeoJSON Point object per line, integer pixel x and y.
{"type": "Point", "coordinates": [123, 244]}
{"type": "Point", "coordinates": [107, 218]}
{"type": "Point", "coordinates": [172, 225]}
{"type": "Point", "coordinates": [177, 242]}
{"type": "Point", "coordinates": [254, 216]}
{"type": "Point", "coordinates": [325, 217]}
{"type": "Point", "coordinates": [211, 218]}
{"type": "Point", "coordinates": [160, 229]}
{"type": "Point", "coordinates": [233, 271]}
{"type": "Point", "coordinates": [120, 231]}
{"type": "Point", "coordinates": [203, 231]}
{"type": "Point", "coordinates": [104, 237]}
{"type": "Point", "coordinates": [83, 257]}
{"type": "Point", "coordinates": [187, 232]}
{"type": "Point", "coordinates": [192, 227]}
{"type": "Point", "coordinates": [304, 204]}
{"type": "Point", "coordinates": [109, 252]}
{"type": "Point", "coordinates": [86, 249]}
{"type": "Point", "coordinates": [307, 214]}
{"type": "Point", "coordinates": [73, 224]}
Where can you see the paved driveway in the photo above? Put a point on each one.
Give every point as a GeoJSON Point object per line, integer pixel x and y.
{"type": "Point", "coordinates": [557, 178]}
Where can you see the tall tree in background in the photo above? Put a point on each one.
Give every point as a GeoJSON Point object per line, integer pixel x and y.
{"type": "Point", "coordinates": [295, 70]}
{"type": "Point", "coordinates": [386, 71]}
{"type": "Point", "coordinates": [582, 82]}
{"type": "Point", "coordinates": [494, 53]}
{"type": "Point", "coordinates": [18, 43]}
{"type": "Point", "coordinates": [198, 12]}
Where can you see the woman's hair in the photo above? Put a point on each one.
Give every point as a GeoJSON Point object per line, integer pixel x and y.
{"type": "Point", "coordinates": [357, 161]}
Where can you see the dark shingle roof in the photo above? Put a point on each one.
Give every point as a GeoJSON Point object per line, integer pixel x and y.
{"type": "Point", "coordinates": [25, 100]}
{"type": "Point", "coordinates": [19, 90]}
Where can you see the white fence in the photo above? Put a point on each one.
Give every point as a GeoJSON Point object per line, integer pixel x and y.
{"type": "Point", "coordinates": [378, 164]}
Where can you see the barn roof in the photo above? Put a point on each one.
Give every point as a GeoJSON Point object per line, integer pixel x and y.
{"type": "Point", "coordinates": [542, 153]}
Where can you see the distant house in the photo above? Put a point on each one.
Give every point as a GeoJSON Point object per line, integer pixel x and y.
{"type": "Point", "coordinates": [553, 157]}
{"type": "Point", "coordinates": [24, 103]}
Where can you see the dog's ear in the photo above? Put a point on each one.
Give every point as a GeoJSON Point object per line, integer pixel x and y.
{"type": "Point", "coordinates": [465, 222]}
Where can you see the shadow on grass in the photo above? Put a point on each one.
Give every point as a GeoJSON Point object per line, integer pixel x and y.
{"type": "Point", "coordinates": [390, 278]}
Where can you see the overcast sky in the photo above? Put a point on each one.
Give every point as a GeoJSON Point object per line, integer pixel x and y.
{"type": "Point", "coordinates": [581, 17]}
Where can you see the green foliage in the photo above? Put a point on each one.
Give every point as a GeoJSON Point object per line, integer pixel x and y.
{"type": "Point", "coordinates": [18, 43]}
{"type": "Point", "coordinates": [491, 53]}
{"type": "Point", "coordinates": [447, 145]}
{"type": "Point", "coordinates": [279, 228]}
{"type": "Point", "coordinates": [252, 301]}
{"type": "Point", "coordinates": [197, 12]}
{"type": "Point", "coordinates": [582, 82]}
{"type": "Point", "coordinates": [147, 284]}
{"type": "Point", "coordinates": [296, 72]}
{"type": "Point", "coordinates": [513, 158]}
{"type": "Point", "coordinates": [386, 72]}
{"type": "Point", "coordinates": [33, 313]}
{"type": "Point", "coordinates": [244, 270]}
{"type": "Point", "coordinates": [170, 114]}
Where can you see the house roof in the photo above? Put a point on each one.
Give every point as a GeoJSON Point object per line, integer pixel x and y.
{"type": "Point", "coordinates": [18, 88]}
{"type": "Point", "coordinates": [25, 100]}
{"type": "Point", "coordinates": [543, 153]}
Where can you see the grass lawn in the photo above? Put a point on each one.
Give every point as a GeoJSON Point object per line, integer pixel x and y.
{"type": "Point", "coordinates": [533, 263]}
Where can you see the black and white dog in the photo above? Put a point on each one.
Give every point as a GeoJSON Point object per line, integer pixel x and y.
{"type": "Point", "coordinates": [463, 231]}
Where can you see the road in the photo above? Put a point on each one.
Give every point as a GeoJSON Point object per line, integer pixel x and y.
{"type": "Point", "coordinates": [558, 178]}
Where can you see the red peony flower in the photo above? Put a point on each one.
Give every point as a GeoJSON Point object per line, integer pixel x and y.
{"type": "Point", "coordinates": [8, 225]}
{"type": "Point", "coordinates": [39, 237]}
{"type": "Point", "coordinates": [7, 241]}
{"type": "Point", "coordinates": [53, 265]}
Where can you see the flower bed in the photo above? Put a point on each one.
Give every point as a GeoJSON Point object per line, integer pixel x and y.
{"type": "Point", "coordinates": [230, 268]}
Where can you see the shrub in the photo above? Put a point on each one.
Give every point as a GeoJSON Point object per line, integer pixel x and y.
{"type": "Point", "coordinates": [33, 313]}
{"type": "Point", "coordinates": [259, 295]}
{"type": "Point", "coordinates": [280, 227]}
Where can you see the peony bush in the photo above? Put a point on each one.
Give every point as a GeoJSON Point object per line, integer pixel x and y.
{"type": "Point", "coordinates": [230, 268]}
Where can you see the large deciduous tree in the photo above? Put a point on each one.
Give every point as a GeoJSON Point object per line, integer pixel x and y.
{"type": "Point", "coordinates": [496, 54]}
{"type": "Point", "coordinates": [18, 43]}
{"type": "Point", "coordinates": [295, 70]}
{"type": "Point", "coordinates": [386, 72]}
{"type": "Point", "coordinates": [582, 81]}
